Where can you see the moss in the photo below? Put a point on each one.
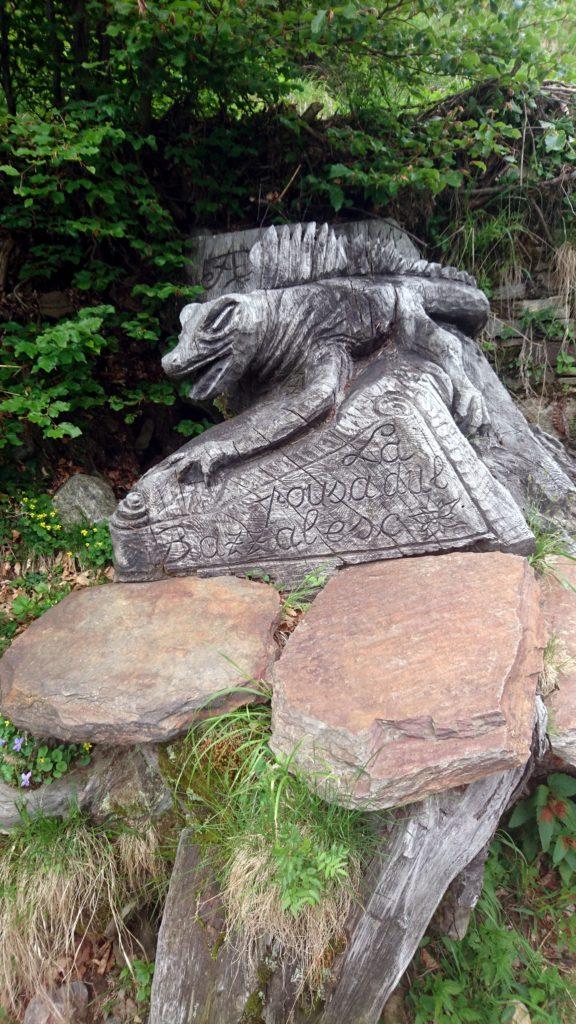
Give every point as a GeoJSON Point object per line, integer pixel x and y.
{"type": "Point", "coordinates": [252, 1012]}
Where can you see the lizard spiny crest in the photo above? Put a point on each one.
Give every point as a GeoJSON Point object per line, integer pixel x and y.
{"type": "Point", "coordinates": [286, 256]}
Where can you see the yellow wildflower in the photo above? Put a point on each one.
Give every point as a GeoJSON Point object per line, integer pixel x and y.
{"type": "Point", "coordinates": [84, 533]}
{"type": "Point", "coordinates": [87, 746]}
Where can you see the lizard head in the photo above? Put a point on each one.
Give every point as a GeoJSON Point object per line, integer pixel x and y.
{"type": "Point", "coordinates": [219, 340]}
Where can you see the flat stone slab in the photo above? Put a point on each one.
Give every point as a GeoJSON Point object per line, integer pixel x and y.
{"type": "Point", "coordinates": [560, 614]}
{"type": "Point", "coordinates": [131, 663]}
{"type": "Point", "coordinates": [411, 677]}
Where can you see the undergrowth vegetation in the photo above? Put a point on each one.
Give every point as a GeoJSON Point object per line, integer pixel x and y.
{"type": "Point", "coordinates": [520, 949]}
{"type": "Point", "coordinates": [60, 880]}
{"type": "Point", "coordinates": [127, 126]}
{"type": "Point", "coordinates": [26, 761]}
{"type": "Point", "coordinates": [287, 861]}
{"type": "Point", "coordinates": [42, 560]}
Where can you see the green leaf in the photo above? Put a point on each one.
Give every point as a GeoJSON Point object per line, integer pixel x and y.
{"type": "Point", "coordinates": [522, 813]}
{"type": "Point", "coordinates": [546, 828]}
{"type": "Point", "coordinates": [562, 785]}
{"type": "Point", "coordinates": [317, 22]}
{"type": "Point", "coordinates": [555, 141]}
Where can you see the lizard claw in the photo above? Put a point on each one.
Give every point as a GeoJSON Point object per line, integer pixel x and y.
{"type": "Point", "coordinates": [201, 465]}
{"type": "Point", "coordinates": [471, 411]}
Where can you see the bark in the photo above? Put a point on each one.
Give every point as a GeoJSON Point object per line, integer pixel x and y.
{"type": "Point", "coordinates": [432, 843]}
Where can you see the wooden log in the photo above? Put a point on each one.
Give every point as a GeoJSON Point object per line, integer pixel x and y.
{"type": "Point", "coordinates": [197, 978]}
{"type": "Point", "coordinates": [427, 848]}
{"type": "Point", "coordinates": [453, 915]}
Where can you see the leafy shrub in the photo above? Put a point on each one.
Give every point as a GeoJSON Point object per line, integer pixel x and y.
{"type": "Point", "coordinates": [547, 821]}
{"type": "Point", "coordinates": [139, 975]}
{"type": "Point", "coordinates": [42, 557]}
{"type": "Point", "coordinates": [124, 126]}
{"type": "Point", "coordinates": [29, 524]}
{"type": "Point", "coordinates": [26, 761]}
{"type": "Point", "coordinates": [519, 935]}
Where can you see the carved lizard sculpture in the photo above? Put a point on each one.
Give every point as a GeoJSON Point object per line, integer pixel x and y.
{"type": "Point", "coordinates": [287, 348]}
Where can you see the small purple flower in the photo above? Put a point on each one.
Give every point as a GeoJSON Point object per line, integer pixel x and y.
{"type": "Point", "coordinates": [2, 743]}
{"type": "Point", "coordinates": [18, 744]}
{"type": "Point", "coordinates": [25, 779]}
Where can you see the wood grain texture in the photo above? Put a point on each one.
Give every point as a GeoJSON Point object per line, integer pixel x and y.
{"type": "Point", "coordinates": [196, 979]}
{"type": "Point", "coordinates": [432, 844]}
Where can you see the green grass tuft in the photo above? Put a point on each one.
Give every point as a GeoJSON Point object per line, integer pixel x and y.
{"type": "Point", "coordinates": [288, 861]}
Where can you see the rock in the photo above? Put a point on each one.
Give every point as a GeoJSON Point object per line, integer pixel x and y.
{"type": "Point", "coordinates": [394, 1011]}
{"type": "Point", "coordinates": [560, 615]}
{"type": "Point", "coordinates": [517, 1014]}
{"type": "Point", "coordinates": [508, 292]}
{"type": "Point", "coordinates": [133, 664]}
{"type": "Point", "coordinates": [503, 329]}
{"type": "Point", "coordinates": [130, 785]}
{"type": "Point", "coordinates": [119, 781]}
{"type": "Point", "coordinates": [83, 499]}
{"type": "Point", "coordinates": [197, 976]}
{"type": "Point", "coordinates": [554, 304]}
{"type": "Point", "coordinates": [65, 1005]}
{"type": "Point", "coordinates": [409, 678]}
{"type": "Point", "coordinates": [55, 304]}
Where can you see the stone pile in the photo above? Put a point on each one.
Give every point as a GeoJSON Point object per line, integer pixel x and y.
{"type": "Point", "coordinates": [404, 678]}
{"type": "Point", "coordinates": [407, 682]}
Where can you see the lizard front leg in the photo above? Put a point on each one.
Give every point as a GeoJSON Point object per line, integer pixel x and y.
{"type": "Point", "coordinates": [269, 423]}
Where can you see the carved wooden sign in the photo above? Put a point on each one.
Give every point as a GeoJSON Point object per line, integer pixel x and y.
{"type": "Point", "coordinates": [352, 440]}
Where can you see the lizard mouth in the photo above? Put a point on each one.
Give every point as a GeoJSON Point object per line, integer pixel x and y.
{"type": "Point", "coordinates": [207, 383]}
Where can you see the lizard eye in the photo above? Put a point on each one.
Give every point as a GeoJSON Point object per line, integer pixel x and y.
{"type": "Point", "coordinates": [221, 318]}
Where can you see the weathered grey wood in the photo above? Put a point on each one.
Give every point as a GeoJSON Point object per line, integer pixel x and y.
{"type": "Point", "coordinates": [329, 461]}
{"type": "Point", "coordinates": [220, 262]}
{"type": "Point", "coordinates": [196, 978]}
{"type": "Point", "coordinates": [533, 466]}
{"type": "Point", "coordinates": [453, 915]}
{"type": "Point", "coordinates": [432, 843]}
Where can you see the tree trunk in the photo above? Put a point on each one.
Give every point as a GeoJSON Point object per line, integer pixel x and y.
{"type": "Point", "coordinates": [429, 846]}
